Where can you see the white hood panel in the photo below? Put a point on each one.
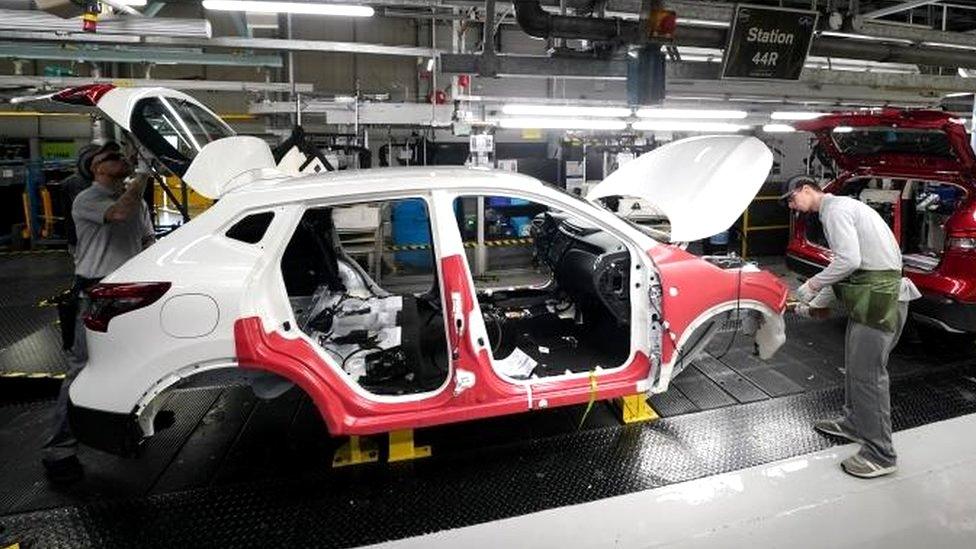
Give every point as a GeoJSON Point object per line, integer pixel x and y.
{"type": "Point", "coordinates": [703, 184]}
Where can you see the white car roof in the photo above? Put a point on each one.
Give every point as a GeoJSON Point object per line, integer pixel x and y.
{"type": "Point", "coordinates": [418, 178]}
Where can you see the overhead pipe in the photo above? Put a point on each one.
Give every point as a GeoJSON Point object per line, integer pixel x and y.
{"type": "Point", "coordinates": [537, 22]}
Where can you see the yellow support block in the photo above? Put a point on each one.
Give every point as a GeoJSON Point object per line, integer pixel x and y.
{"type": "Point", "coordinates": [635, 409]}
{"type": "Point", "coordinates": [14, 546]}
{"type": "Point", "coordinates": [355, 451]}
{"type": "Point", "coordinates": [402, 447]}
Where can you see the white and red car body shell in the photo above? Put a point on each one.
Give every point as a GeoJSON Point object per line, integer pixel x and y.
{"type": "Point", "coordinates": [136, 359]}
{"type": "Point", "coordinates": [227, 307]}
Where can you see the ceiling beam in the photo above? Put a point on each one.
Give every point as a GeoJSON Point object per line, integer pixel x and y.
{"type": "Point", "coordinates": [13, 50]}
{"type": "Point", "coordinates": [34, 20]}
{"type": "Point", "coordinates": [286, 44]}
{"type": "Point", "coordinates": [60, 82]}
{"type": "Point", "coordinates": [897, 8]}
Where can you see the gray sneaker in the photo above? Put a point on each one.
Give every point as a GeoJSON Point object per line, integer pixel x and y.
{"type": "Point", "coordinates": [833, 427]}
{"type": "Point", "coordinates": [862, 467]}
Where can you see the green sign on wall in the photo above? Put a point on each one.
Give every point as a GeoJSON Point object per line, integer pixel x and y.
{"type": "Point", "coordinates": [58, 150]}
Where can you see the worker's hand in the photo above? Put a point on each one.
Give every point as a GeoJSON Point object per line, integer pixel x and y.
{"type": "Point", "coordinates": [138, 182]}
{"type": "Point", "coordinates": [805, 293]}
{"type": "Point", "coordinates": [806, 311]}
{"type": "Point", "coordinates": [802, 309]}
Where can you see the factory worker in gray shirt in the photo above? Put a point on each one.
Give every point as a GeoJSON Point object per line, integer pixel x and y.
{"type": "Point", "coordinates": [865, 275]}
{"type": "Point", "coordinates": [112, 223]}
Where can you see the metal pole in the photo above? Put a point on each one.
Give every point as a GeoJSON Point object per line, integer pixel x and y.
{"type": "Point", "coordinates": [481, 252]}
{"type": "Point", "coordinates": [355, 127]}
{"type": "Point", "coordinates": [291, 73]}
{"type": "Point", "coordinates": [433, 75]}
{"type": "Point", "coordinates": [972, 125]}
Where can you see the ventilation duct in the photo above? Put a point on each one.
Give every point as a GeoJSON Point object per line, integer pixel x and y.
{"type": "Point", "coordinates": [538, 22]}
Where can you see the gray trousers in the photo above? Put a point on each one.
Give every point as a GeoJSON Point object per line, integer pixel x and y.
{"type": "Point", "coordinates": [867, 396]}
{"type": "Point", "coordinates": [61, 443]}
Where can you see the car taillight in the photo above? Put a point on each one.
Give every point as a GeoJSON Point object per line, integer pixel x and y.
{"type": "Point", "coordinates": [961, 243]}
{"type": "Point", "coordinates": [111, 300]}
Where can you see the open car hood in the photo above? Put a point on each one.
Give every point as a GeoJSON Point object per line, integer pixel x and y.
{"type": "Point", "coordinates": [894, 140]}
{"type": "Point", "coordinates": [702, 184]}
{"type": "Point", "coordinates": [189, 139]}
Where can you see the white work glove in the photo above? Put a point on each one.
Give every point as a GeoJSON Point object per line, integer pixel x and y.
{"type": "Point", "coordinates": [802, 309]}
{"type": "Point", "coordinates": [806, 292]}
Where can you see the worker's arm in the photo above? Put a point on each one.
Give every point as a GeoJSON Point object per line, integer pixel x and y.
{"type": "Point", "coordinates": [148, 231]}
{"type": "Point", "coordinates": [846, 249]}
{"type": "Point", "coordinates": [129, 204]}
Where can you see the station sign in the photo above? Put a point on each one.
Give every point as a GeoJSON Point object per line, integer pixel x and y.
{"type": "Point", "coordinates": [768, 43]}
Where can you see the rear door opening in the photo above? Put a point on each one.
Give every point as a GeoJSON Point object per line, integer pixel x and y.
{"type": "Point", "coordinates": [363, 285]}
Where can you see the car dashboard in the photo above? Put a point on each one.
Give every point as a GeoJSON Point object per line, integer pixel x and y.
{"type": "Point", "coordinates": [593, 267]}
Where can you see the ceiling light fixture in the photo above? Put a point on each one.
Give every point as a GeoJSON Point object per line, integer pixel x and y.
{"type": "Point", "coordinates": [306, 8]}
{"type": "Point", "coordinates": [562, 123]}
{"type": "Point", "coordinates": [563, 110]}
{"type": "Point", "coordinates": [778, 128]}
{"type": "Point", "coordinates": [682, 126]}
{"type": "Point", "coordinates": [691, 113]}
{"type": "Point", "coordinates": [795, 115]}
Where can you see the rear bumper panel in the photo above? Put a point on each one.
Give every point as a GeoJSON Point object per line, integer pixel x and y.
{"type": "Point", "coordinates": [111, 432]}
{"type": "Point", "coordinates": [802, 266]}
{"type": "Point", "coordinates": [954, 314]}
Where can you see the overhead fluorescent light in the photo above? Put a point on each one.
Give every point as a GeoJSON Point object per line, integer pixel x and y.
{"type": "Point", "coordinates": [564, 110]}
{"type": "Point", "coordinates": [843, 129]}
{"type": "Point", "coordinates": [702, 22]}
{"type": "Point", "coordinates": [778, 128]}
{"type": "Point", "coordinates": [563, 123]}
{"type": "Point", "coordinates": [682, 126]}
{"type": "Point", "coordinates": [306, 8]}
{"type": "Point", "coordinates": [430, 65]}
{"type": "Point", "coordinates": [795, 115]}
{"type": "Point", "coordinates": [691, 113]}
{"type": "Point", "coordinates": [866, 37]}
{"type": "Point", "coordinates": [950, 46]}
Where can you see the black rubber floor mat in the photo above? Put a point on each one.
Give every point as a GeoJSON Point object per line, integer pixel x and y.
{"type": "Point", "coordinates": [18, 322]}
{"type": "Point", "coordinates": [740, 388]}
{"type": "Point", "coordinates": [201, 455]}
{"type": "Point", "coordinates": [106, 476]}
{"type": "Point", "coordinates": [764, 375]}
{"type": "Point", "coordinates": [39, 352]}
{"type": "Point", "coordinates": [701, 390]}
{"type": "Point", "coordinates": [671, 403]}
{"type": "Point", "coordinates": [374, 503]}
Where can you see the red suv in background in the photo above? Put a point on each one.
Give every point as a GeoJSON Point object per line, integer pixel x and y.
{"type": "Point", "coordinates": [916, 168]}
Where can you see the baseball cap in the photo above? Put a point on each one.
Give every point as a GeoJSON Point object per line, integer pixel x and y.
{"type": "Point", "coordinates": [792, 185]}
{"type": "Point", "coordinates": [89, 165]}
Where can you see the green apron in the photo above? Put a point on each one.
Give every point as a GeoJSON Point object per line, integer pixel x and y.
{"type": "Point", "coordinates": [871, 298]}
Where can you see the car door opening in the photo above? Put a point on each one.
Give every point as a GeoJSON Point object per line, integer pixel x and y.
{"type": "Point", "coordinates": [388, 339]}
{"type": "Point", "coordinates": [555, 294]}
